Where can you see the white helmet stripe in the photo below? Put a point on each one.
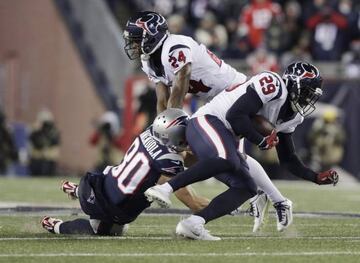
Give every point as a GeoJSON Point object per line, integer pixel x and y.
{"type": "Point", "coordinates": [213, 136]}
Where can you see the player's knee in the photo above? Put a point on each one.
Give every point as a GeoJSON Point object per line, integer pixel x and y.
{"type": "Point", "coordinates": [245, 183]}
{"type": "Point", "coordinates": [101, 228]}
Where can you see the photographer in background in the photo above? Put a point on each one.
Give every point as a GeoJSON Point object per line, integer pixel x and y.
{"type": "Point", "coordinates": [327, 139]}
{"type": "Point", "coordinates": [44, 142]}
{"type": "Point", "coordinates": [8, 151]}
{"type": "Point", "coordinates": [107, 140]}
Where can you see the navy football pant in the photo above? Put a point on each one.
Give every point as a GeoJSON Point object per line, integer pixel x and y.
{"type": "Point", "coordinates": [217, 150]}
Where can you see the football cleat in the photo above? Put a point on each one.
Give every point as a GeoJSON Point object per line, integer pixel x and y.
{"type": "Point", "coordinates": [188, 229]}
{"type": "Point", "coordinates": [156, 194]}
{"type": "Point", "coordinates": [49, 223]}
{"type": "Point", "coordinates": [284, 215]}
{"type": "Point", "coordinates": [259, 205]}
{"type": "Point", "coordinates": [70, 189]}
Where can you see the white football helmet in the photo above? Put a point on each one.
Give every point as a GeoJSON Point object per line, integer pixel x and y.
{"type": "Point", "coordinates": [169, 128]}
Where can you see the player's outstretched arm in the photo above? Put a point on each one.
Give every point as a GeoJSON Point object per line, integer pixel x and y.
{"type": "Point", "coordinates": [288, 158]}
{"type": "Point", "coordinates": [180, 87]}
{"type": "Point", "coordinates": [188, 196]}
{"type": "Point", "coordinates": [162, 96]}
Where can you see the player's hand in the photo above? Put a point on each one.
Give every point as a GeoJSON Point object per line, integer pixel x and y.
{"type": "Point", "coordinates": [327, 177]}
{"type": "Point", "coordinates": [269, 141]}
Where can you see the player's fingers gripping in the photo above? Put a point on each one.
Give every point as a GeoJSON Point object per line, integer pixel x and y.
{"type": "Point", "coordinates": [269, 141]}
{"type": "Point", "coordinates": [328, 177]}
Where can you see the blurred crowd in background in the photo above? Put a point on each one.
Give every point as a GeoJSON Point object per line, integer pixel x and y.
{"type": "Point", "coordinates": [265, 34]}
{"type": "Point", "coordinates": [268, 34]}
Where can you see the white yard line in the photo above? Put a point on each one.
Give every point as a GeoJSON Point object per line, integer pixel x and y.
{"type": "Point", "coordinates": [170, 238]}
{"type": "Point", "coordinates": [243, 254]}
{"type": "Point", "coordinates": [240, 225]}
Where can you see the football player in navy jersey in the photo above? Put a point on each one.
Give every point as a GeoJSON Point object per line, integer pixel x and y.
{"type": "Point", "coordinates": [115, 197]}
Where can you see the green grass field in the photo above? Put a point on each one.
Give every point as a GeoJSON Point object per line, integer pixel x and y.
{"type": "Point", "coordinates": [326, 230]}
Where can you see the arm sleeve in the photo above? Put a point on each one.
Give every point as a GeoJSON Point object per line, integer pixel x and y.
{"type": "Point", "coordinates": [289, 159]}
{"type": "Point", "coordinates": [239, 115]}
{"type": "Point", "coordinates": [170, 164]}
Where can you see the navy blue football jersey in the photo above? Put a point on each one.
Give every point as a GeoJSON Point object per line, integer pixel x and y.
{"type": "Point", "coordinates": [144, 162]}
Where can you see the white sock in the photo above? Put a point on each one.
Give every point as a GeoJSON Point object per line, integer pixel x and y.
{"type": "Point", "coordinates": [57, 227]}
{"type": "Point", "coordinates": [196, 219]}
{"type": "Point", "coordinates": [166, 187]}
{"type": "Point", "coordinates": [263, 181]}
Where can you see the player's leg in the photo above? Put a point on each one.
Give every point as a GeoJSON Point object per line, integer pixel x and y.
{"type": "Point", "coordinates": [76, 227]}
{"type": "Point", "coordinates": [263, 181]}
{"type": "Point", "coordinates": [83, 226]}
{"type": "Point", "coordinates": [210, 140]}
{"type": "Point", "coordinates": [194, 226]}
{"type": "Point", "coordinates": [259, 203]}
{"type": "Point", "coordinates": [241, 188]}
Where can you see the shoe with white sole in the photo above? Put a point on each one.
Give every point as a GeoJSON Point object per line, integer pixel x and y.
{"type": "Point", "coordinates": [188, 229]}
{"type": "Point", "coordinates": [284, 215]}
{"type": "Point", "coordinates": [70, 189]}
{"type": "Point", "coordinates": [49, 223]}
{"type": "Point", "coordinates": [259, 205]}
{"type": "Point", "coordinates": [156, 194]}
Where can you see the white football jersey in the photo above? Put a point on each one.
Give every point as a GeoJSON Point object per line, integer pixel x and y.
{"type": "Point", "coordinates": [209, 76]}
{"type": "Point", "coordinates": [272, 92]}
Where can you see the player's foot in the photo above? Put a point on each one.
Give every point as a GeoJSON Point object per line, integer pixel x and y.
{"type": "Point", "coordinates": [70, 189]}
{"type": "Point", "coordinates": [194, 230]}
{"type": "Point", "coordinates": [158, 195]}
{"type": "Point", "coordinates": [284, 215]}
{"type": "Point", "coordinates": [258, 208]}
{"type": "Point", "coordinates": [49, 223]}
{"type": "Point", "coordinates": [120, 230]}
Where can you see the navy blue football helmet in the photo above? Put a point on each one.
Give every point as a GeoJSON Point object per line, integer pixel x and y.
{"type": "Point", "coordinates": [304, 84]}
{"type": "Point", "coordinates": [144, 33]}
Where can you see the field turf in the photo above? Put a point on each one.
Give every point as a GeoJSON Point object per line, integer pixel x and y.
{"type": "Point", "coordinates": [325, 229]}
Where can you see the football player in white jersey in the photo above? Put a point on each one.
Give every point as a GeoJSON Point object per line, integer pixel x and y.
{"type": "Point", "coordinates": [284, 101]}
{"type": "Point", "coordinates": [174, 62]}
{"type": "Point", "coordinates": [179, 65]}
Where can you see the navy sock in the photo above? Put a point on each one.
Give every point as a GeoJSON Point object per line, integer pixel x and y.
{"type": "Point", "coordinates": [77, 226]}
{"type": "Point", "coordinates": [202, 170]}
{"type": "Point", "coordinates": [225, 203]}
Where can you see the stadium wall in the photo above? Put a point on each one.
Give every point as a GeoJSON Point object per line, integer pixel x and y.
{"type": "Point", "coordinates": [40, 68]}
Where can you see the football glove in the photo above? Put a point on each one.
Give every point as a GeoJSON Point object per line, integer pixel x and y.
{"type": "Point", "coordinates": [327, 177]}
{"type": "Point", "coordinates": [269, 141]}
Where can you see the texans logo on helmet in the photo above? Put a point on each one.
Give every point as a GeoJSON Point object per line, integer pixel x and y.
{"type": "Point", "coordinates": [150, 23]}
{"type": "Point", "coordinates": [304, 70]}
